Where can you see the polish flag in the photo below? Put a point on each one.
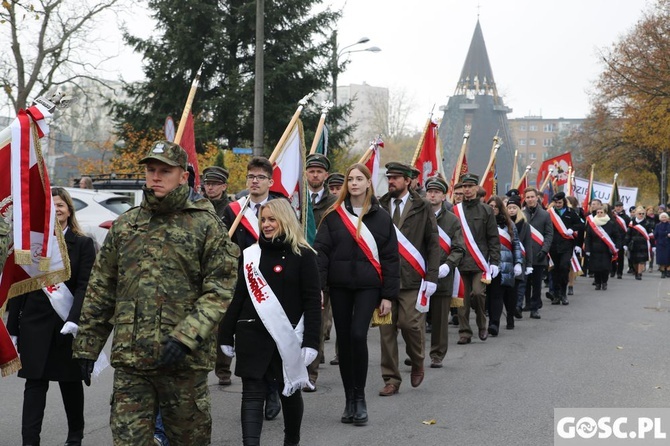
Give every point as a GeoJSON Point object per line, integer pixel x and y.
{"type": "Point", "coordinates": [289, 166]}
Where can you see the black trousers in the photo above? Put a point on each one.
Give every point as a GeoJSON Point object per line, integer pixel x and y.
{"type": "Point", "coordinates": [617, 266]}
{"type": "Point", "coordinates": [253, 399]}
{"type": "Point", "coordinates": [601, 277]}
{"type": "Point", "coordinates": [534, 287]}
{"type": "Point", "coordinates": [498, 295]}
{"type": "Point", "coordinates": [35, 400]}
{"type": "Point", "coordinates": [561, 271]}
{"type": "Point", "coordinates": [352, 311]}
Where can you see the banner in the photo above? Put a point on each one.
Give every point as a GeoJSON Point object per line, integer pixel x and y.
{"type": "Point", "coordinates": [288, 169]}
{"type": "Point", "coordinates": [603, 191]}
{"type": "Point", "coordinates": [559, 165]}
{"type": "Point", "coordinates": [427, 159]}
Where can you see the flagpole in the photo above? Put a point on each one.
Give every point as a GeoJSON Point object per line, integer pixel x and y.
{"type": "Point", "coordinates": [525, 174]}
{"type": "Point", "coordinates": [459, 161]}
{"type": "Point", "coordinates": [319, 129]}
{"type": "Point", "coordinates": [569, 187]}
{"type": "Point", "coordinates": [616, 174]}
{"type": "Point", "coordinates": [273, 157]}
{"type": "Point", "coordinates": [492, 158]}
{"type": "Point", "coordinates": [514, 167]}
{"type": "Point", "coordinates": [546, 179]}
{"type": "Point", "coordinates": [187, 107]}
{"type": "Point", "coordinates": [368, 153]}
{"type": "Point", "coordinates": [440, 154]}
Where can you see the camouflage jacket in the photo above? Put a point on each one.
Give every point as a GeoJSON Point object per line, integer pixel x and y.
{"type": "Point", "coordinates": [166, 269]}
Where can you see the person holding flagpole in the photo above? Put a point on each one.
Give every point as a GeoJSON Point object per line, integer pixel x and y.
{"type": "Point", "coordinates": [44, 324]}
{"type": "Point", "coordinates": [601, 245]}
{"type": "Point", "coordinates": [274, 320]}
{"type": "Point", "coordinates": [359, 263]}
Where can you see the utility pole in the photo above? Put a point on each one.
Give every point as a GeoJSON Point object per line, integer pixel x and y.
{"type": "Point", "coordinates": [259, 84]}
{"type": "Point", "coordinates": [664, 176]}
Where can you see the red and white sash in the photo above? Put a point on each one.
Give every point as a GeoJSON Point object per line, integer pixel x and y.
{"type": "Point", "coordinates": [621, 222]}
{"type": "Point", "coordinates": [273, 316]}
{"type": "Point", "coordinates": [537, 236]}
{"type": "Point", "coordinates": [644, 233]}
{"type": "Point", "coordinates": [415, 259]}
{"type": "Point", "coordinates": [249, 219]}
{"type": "Point", "coordinates": [575, 265]}
{"type": "Point", "coordinates": [366, 241]}
{"type": "Point", "coordinates": [559, 225]}
{"type": "Point", "coordinates": [458, 289]}
{"type": "Point", "coordinates": [604, 236]}
{"type": "Point", "coordinates": [471, 245]}
{"type": "Point", "coordinates": [505, 239]}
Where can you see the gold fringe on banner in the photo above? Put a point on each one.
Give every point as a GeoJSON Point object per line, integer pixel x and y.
{"type": "Point", "coordinates": [456, 302]}
{"type": "Point", "coordinates": [381, 320]}
{"type": "Point", "coordinates": [11, 367]}
{"type": "Point", "coordinates": [22, 257]}
{"type": "Point", "coordinates": [44, 264]}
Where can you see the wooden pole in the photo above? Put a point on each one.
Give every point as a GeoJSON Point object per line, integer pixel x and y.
{"type": "Point", "coordinates": [616, 174]}
{"type": "Point", "coordinates": [421, 140]}
{"type": "Point", "coordinates": [492, 158]}
{"type": "Point", "coordinates": [459, 161]}
{"type": "Point", "coordinates": [546, 180]}
{"type": "Point", "coordinates": [525, 174]}
{"type": "Point", "coordinates": [187, 107]}
{"type": "Point", "coordinates": [319, 129]}
{"type": "Point", "coordinates": [514, 166]}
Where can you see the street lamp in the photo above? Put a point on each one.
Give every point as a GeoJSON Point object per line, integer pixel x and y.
{"type": "Point", "coordinates": [336, 55]}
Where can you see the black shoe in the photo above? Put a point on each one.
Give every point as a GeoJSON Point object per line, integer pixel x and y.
{"type": "Point", "coordinates": [549, 295]}
{"type": "Point", "coordinates": [638, 276]}
{"type": "Point", "coordinates": [360, 407]}
{"type": "Point", "coordinates": [454, 320]}
{"type": "Point", "coordinates": [517, 313]}
{"type": "Point", "coordinates": [564, 300]}
{"type": "Point", "coordinates": [510, 322]}
{"type": "Point", "coordinates": [604, 288]}
{"type": "Point", "coordinates": [598, 287]}
{"type": "Point", "coordinates": [348, 414]}
{"type": "Point", "coordinates": [526, 308]}
{"type": "Point", "coordinates": [493, 330]}
{"type": "Point", "coordinates": [272, 405]}
{"type": "Point", "coordinates": [536, 314]}
{"type": "Point", "coordinates": [612, 274]}
{"type": "Point", "coordinates": [335, 361]}
{"type": "Point", "coordinates": [570, 291]}
{"type": "Point", "coordinates": [556, 301]}
{"type": "Point", "coordinates": [619, 276]}
{"type": "Point", "coordinates": [408, 361]}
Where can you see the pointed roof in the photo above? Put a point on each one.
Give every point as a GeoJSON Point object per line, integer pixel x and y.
{"type": "Point", "coordinates": [477, 76]}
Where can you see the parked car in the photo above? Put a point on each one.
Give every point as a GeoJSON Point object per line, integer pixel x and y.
{"type": "Point", "coordinates": [96, 211]}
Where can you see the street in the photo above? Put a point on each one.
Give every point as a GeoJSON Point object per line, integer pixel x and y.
{"type": "Point", "coordinates": [605, 349]}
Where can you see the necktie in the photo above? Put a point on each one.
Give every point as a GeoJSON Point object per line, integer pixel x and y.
{"type": "Point", "coordinates": [314, 195]}
{"type": "Point", "coordinates": [257, 206]}
{"type": "Point", "coordinates": [396, 211]}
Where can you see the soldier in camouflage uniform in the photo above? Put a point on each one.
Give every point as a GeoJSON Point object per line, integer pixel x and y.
{"type": "Point", "coordinates": [163, 280]}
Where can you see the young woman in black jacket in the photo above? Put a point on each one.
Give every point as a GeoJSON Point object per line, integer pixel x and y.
{"type": "Point", "coordinates": [359, 262]}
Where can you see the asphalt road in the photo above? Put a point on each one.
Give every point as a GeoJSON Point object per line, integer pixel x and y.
{"type": "Point", "coordinates": [605, 349]}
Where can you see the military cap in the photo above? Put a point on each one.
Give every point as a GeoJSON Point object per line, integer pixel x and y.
{"type": "Point", "coordinates": [215, 173]}
{"type": "Point", "coordinates": [393, 169]}
{"type": "Point", "coordinates": [437, 183]}
{"type": "Point", "coordinates": [335, 179]}
{"type": "Point", "coordinates": [558, 196]}
{"type": "Point", "coordinates": [618, 203]}
{"type": "Point", "coordinates": [512, 192]}
{"type": "Point", "coordinates": [167, 152]}
{"type": "Point", "coordinates": [415, 172]}
{"type": "Point", "coordinates": [317, 160]}
{"type": "Point", "coordinates": [469, 178]}
{"type": "Point", "coordinates": [514, 199]}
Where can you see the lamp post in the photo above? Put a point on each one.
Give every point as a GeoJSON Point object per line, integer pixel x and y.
{"type": "Point", "coordinates": [336, 55]}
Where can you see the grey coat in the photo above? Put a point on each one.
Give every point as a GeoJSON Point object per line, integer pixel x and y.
{"type": "Point", "coordinates": [541, 221]}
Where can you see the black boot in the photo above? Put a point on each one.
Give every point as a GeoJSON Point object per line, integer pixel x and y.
{"type": "Point", "coordinates": [360, 407]}
{"type": "Point", "coordinates": [348, 414]}
{"type": "Point", "coordinates": [272, 405]}
{"type": "Point", "coordinates": [564, 299]}
{"type": "Point", "coordinates": [74, 438]}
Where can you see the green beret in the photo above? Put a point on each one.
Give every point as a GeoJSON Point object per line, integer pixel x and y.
{"type": "Point", "coordinates": [167, 152]}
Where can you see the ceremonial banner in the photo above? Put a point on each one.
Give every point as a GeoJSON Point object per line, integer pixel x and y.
{"type": "Point", "coordinates": [289, 167]}
{"type": "Point", "coordinates": [603, 191]}
{"type": "Point", "coordinates": [559, 164]}
{"type": "Point", "coordinates": [372, 163]}
{"type": "Point", "coordinates": [427, 159]}
{"type": "Point", "coordinates": [38, 257]}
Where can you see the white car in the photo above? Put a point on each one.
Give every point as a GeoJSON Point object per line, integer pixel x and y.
{"type": "Point", "coordinates": [96, 211]}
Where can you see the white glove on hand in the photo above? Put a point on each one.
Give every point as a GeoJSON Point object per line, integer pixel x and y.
{"type": "Point", "coordinates": [517, 270]}
{"type": "Point", "coordinates": [444, 271]}
{"type": "Point", "coordinates": [625, 248]}
{"type": "Point", "coordinates": [430, 288]}
{"type": "Point", "coordinates": [578, 250]}
{"type": "Point", "coordinates": [529, 270]}
{"type": "Point", "coordinates": [15, 341]}
{"type": "Point", "coordinates": [653, 250]}
{"type": "Point", "coordinates": [587, 254]}
{"type": "Point", "coordinates": [494, 271]}
{"type": "Point", "coordinates": [569, 232]}
{"type": "Point", "coordinates": [70, 328]}
{"type": "Point", "coordinates": [228, 350]}
{"type": "Point", "coordinates": [309, 355]}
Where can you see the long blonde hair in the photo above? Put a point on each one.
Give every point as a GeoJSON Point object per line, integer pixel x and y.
{"type": "Point", "coordinates": [344, 193]}
{"type": "Point", "coordinates": [289, 225]}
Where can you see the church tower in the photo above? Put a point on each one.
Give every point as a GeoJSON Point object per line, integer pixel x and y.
{"type": "Point", "coordinates": [476, 103]}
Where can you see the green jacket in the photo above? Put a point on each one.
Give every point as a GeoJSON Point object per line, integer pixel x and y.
{"type": "Point", "coordinates": [166, 269]}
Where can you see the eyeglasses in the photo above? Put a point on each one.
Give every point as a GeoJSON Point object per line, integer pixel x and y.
{"type": "Point", "coordinates": [257, 177]}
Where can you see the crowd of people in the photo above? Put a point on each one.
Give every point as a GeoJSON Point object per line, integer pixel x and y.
{"type": "Point", "coordinates": [190, 279]}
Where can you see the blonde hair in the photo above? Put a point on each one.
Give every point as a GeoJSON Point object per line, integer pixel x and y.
{"type": "Point", "coordinates": [344, 193]}
{"type": "Point", "coordinates": [289, 226]}
{"type": "Point", "coordinates": [640, 209]}
{"type": "Point", "coordinates": [520, 216]}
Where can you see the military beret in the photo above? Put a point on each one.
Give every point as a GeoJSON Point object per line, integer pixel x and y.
{"type": "Point", "coordinates": [167, 152]}
{"type": "Point", "coordinates": [437, 183]}
{"type": "Point", "coordinates": [469, 178]}
{"type": "Point", "coordinates": [514, 199]}
{"type": "Point", "coordinates": [215, 173]}
{"type": "Point", "coordinates": [512, 192]}
{"type": "Point", "coordinates": [394, 169]}
{"type": "Point", "coordinates": [558, 196]}
{"type": "Point", "coordinates": [317, 160]}
{"type": "Point", "coordinates": [415, 172]}
{"type": "Point", "coordinates": [335, 179]}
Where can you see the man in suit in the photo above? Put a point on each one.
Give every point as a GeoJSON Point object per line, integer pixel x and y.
{"type": "Point", "coordinates": [567, 225]}
{"type": "Point", "coordinates": [542, 233]}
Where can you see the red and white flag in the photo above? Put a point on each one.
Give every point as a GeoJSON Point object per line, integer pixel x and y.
{"type": "Point", "coordinates": [559, 165]}
{"type": "Point", "coordinates": [427, 160]}
{"type": "Point", "coordinates": [373, 161]}
{"type": "Point", "coordinates": [289, 166]}
{"type": "Point", "coordinates": [38, 255]}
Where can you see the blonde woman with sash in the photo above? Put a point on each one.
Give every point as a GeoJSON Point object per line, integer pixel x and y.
{"type": "Point", "coordinates": [359, 262]}
{"type": "Point", "coordinates": [274, 320]}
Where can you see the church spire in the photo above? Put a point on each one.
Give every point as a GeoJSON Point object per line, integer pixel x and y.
{"type": "Point", "coordinates": [477, 76]}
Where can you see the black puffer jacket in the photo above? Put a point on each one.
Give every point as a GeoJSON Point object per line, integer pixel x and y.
{"type": "Point", "coordinates": [342, 263]}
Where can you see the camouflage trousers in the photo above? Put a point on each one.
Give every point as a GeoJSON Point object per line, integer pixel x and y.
{"type": "Point", "coordinates": [183, 399]}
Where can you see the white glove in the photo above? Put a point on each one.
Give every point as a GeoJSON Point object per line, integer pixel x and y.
{"type": "Point", "coordinates": [653, 250]}
{"type": "Point", "coordinates": [578, 250]}
{"type": "Point", "coordinates": [430, 288]}
{"type": "Point", "coordinates": [529, 270]}
{"type": "Point", "coordinates": [15, 341]}
{"type": "Point", "coordinates": [517, 270]}
{"type": "Point", "coordinates": [309, 355]}
{"type": "Point", "coordinates": [569, 232]}
{"type": "Point", "coordinates": [444, 271]}
{"type": "Point", "coordinates": [494, 271]}
{"type": "Point", "coordinates": [625, 248]}
{"type": "Point", "coordinates": [588, 254]}
{"type": "Point", "coordinates": [70, 328]}
{"type": "Point", "coordinates": [228, 350]}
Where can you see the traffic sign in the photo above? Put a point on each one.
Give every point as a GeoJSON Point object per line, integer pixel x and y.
{"type": "Point", "coordinates": [243, 150]}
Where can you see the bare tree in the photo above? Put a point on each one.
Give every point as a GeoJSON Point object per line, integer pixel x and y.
{"type": "Point", "coordinates": [53, 42]}
{"type": "Point", "coordinates": [390, 113]}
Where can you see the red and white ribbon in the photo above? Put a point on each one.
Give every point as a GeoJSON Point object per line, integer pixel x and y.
{"type": "Point", "coordinates": [644, 233]}
{"type": "Point", "coordinates": [537, 236]}
{"type": "Point", "coordinates": [471, 245]}
{"type": "Point", "coordinates": [559, 225]}
{"type": "Point", "coordinates": [575, 265]}
{"type": "Point", "coordinates": [249, 219]}
{"type": "Point", "coordinates": [505, 239]}
{"type": "Point", "coordinates": [604, 236]}
{"type": "Point", "coordinates": [621, 222]}
{"type": "Point", "coordinates": [366, 241]}
{"type": "Point", "coordinates": [415, 259]}
{"type": "Point", "coordinates": [458, 289]}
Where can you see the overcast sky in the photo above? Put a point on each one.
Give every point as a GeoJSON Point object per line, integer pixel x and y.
{"type": "Point", "coordinates": [544, 53]}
